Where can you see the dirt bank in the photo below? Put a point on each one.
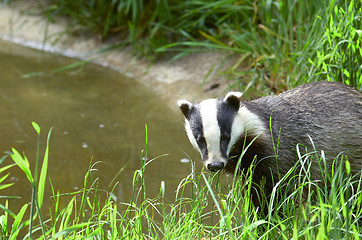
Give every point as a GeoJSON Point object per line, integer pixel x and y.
{"type": "Point", "coordinates": [183, 78]}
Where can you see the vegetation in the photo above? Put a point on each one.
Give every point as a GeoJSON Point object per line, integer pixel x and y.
{"type": "Point", "coordinates": [277, 44]}
{"type": "Point", "coordinates": [203, 207]}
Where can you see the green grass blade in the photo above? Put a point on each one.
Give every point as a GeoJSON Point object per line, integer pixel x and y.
{"type": "Point", "coordinates": [3, 186]}
{"type": "Point", "coordinates": [17, 222]}
{"type": "Point", "coordinates": [6, 167]}
{"type": "Point", "coordinates": [68, 230]}
{"type": "Point", "coordinates": [23, 163]}
{"type": "Point", "coordinates": [43, 173]}
{"type": "Point", "coordinates": [36, 127]}
{"type": "Point", "coordinates": [6, 210]}
{"type": "Point", "coordinates": [223, 217]}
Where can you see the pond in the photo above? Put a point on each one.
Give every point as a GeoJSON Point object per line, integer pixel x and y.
{"type": "Point", "coordinates": [97, 115]}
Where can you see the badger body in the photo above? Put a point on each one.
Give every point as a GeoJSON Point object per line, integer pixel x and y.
{"type": "Point", "coordinates": [329, 113]}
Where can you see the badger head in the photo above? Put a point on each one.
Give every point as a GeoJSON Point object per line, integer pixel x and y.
{"type": "Point", "coordinates": [213, 127]}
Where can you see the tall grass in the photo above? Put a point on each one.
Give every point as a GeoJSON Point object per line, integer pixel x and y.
{"type": "Point", "coordinates": [275, 44]}
{"type": "Point", "coordinates": [204, 207]}
{"type": "Point", "coordinates": [339, 53]}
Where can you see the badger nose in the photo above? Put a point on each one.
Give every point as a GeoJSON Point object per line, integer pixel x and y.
{"type": "Point", "coordinates": [215, 166]}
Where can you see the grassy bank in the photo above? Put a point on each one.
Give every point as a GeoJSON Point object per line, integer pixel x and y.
{"type": "Point", "coordinates": [204, 207]}
{"type": "Point", "coordinates": [276, 44]}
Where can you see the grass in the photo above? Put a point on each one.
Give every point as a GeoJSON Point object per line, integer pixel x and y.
{"type": "Point", "coordinates": [204, 207]}
{"type": "Point", "coordinates": [275, 45]}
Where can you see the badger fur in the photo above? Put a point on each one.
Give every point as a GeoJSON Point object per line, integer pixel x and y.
{"type": "Point", "coordinates": [329, 113]}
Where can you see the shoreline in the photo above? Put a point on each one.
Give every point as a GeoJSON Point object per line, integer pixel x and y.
{"type": "Point", "coordinates": [172, 80]}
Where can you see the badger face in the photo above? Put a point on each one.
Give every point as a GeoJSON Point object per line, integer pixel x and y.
{"type": "Point", "coordinates": [213, 127]}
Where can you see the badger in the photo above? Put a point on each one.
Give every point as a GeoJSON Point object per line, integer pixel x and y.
{"type": "Point", "coordinates": [319, 116]}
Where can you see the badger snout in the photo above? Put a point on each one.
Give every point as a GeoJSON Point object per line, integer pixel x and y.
{"type": "Point", "coordinates": [215, 166]}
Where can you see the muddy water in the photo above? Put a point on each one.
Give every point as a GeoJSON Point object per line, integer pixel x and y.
{"type": "Point", "coordinates": [97, 115]}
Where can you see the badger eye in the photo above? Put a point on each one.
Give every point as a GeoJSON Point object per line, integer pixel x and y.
{"type": "Point", "coordinates": [200, 138]}
{"type": "Point", "coordinates": [225, 137]}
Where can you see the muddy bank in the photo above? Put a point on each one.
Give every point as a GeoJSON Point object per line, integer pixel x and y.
{"type": "Point", "coordinates": [182, 78]}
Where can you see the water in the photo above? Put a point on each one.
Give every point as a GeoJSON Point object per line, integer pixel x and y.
{"type": "Point", "coordinates": [97, 115]}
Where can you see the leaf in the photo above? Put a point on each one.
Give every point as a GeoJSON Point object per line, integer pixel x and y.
{"type": "Point", "coordinates": [350, 8]}
{"type": "Point", "coordinates": [70, 230]}
{"type": "Point", "coordinates": [33, 74]}
{"type": "Point", "coordinates": [348, 167]}
{"type": "Point", "coordinates": [6, 167]}
{"type": "Point", "coordinates": [3, 158]}
{"type": "Point", "coordinates": [43, 173]}
{"type": "Point", "coordinates": [2, 186]}
{"type": "Point", "coordinates": [36, 127]}
{"type": "Point", "coordinates": [17, 222]}
{"type": "Point", "coordinates": [22, 163]}
{"type": "Point", "coordinates": [211, 38]}
{"type": "Point", "coordinates": [6, 210]}
{"type": "Point", "coordinates": [310, 61]}
{"type": "Point", "coordinates": [345, 71]}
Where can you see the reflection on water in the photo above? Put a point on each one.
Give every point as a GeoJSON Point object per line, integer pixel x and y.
{"type": "Point", "coordinates": [97, 115]}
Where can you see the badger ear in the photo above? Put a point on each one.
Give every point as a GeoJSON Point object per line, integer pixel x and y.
{"type": "Point", "coordinates": [185, 107]}
{"type": "Point", "coordinates": [233, 99]}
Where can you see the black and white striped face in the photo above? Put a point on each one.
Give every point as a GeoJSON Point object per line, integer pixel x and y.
{"type": "Point", "coordinates": [213, 127]}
